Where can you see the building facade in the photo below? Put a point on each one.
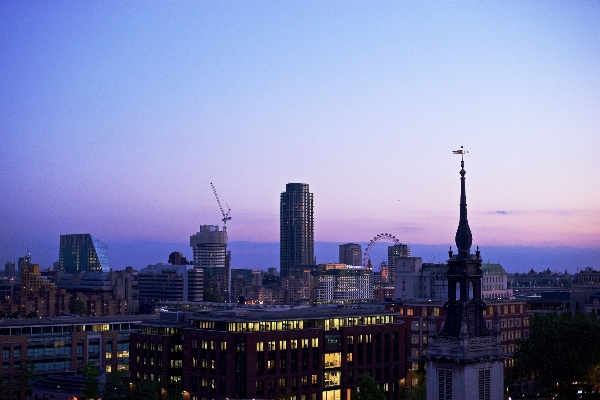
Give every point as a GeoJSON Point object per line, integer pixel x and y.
{"type": "Point", "coordinates": [59, 344]}
{"type": "Point", "coordinates": [82, 252]}
{"type": "Point", "coordinates": [350, 254]}
{"type": "Point", "coordinates": [418, 316]}
{"type": "Point", "coordinates": [296, 228]}
{"type": "Point", "coordinates": [312, 353]}
{"type": "Point", "coordinates": [209, 246]}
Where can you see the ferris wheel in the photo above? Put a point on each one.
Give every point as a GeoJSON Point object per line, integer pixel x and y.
{"type": "Point", "coordinates": [382, 237]}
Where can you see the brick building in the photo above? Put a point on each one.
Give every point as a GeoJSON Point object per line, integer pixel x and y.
{"type": "Point", "coordinates": [317, 352]}
{"type": "Point", "coordinates": [417, 315]}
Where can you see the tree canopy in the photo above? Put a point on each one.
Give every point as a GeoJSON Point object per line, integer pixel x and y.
{"type": "Point", "coordinates": [561, 349]}
{"type": "Point", "coordinates": [368, 389]}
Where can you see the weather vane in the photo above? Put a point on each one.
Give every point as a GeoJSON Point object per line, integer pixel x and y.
{"type": "Point", "coordinates": [462, 152]}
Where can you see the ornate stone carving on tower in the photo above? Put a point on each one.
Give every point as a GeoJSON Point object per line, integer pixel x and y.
{"type": "Point", "coordinates": [464, 361]}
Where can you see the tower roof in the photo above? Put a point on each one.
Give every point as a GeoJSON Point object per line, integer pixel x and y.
{"type": "Point", "coordinates": [463, 237]}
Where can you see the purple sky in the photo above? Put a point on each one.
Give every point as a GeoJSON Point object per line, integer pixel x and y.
{"type": "Point", "coordinates": [116, 116]}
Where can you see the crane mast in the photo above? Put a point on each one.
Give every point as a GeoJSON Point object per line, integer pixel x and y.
{"type": "Point", "coordinates": [226, 216]}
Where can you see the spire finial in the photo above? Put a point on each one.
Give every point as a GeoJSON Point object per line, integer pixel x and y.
{"type": "Point", "coordinates": [463, 238]}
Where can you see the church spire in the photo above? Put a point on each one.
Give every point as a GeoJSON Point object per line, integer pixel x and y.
{"type": "Point", "coordinates": [463, 237]}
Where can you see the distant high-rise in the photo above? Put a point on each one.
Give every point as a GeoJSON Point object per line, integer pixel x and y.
{"type": "Point", "coordinates": [296, 228]}
{"type": "Point", "coordinates": [350, 254]}
{"type": "Point", "coordinates": [210, 254]}
{"type": "Point", "coordinates": [396, 253]}
{"type": "Point", "coordinates": [82, 252]}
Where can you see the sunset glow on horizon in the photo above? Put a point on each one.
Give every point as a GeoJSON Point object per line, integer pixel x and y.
{"type": "Point", "coordinates": [116, 116]}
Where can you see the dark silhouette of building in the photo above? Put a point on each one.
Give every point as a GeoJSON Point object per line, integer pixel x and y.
{"type": "Point", "coordinates": [465, 358]}
{"type": "Point", "coordinates": [296, 228]}
{"type": "Point", "coordinates": [82, 252]}
{"type": "Point", "coordinates": [10, 270]}
{"type": "Point", "coordinates": [176, 258]}
{"type": "Point", "coordinates": [350, 254]}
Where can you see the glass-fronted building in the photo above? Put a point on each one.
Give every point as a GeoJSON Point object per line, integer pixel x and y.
{"type": "Point", "coordinates": [82, 252]}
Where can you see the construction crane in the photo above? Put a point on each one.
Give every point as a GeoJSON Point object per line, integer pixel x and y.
{"type": "Point", "coordinates": [226, 216]}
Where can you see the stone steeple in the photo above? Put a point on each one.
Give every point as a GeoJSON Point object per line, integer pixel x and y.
{"type": "Point", "coordinates": [465, 360]}
{"type": "Point", "coordinates": [464, 309]}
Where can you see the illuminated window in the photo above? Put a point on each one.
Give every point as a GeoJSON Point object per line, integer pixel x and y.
{"type": "Point", "coordinates": [282, 345]}
{"type": "Point", "coordinates": [260, 346]}
{"type": "Point", "coordinates": [315, 342]}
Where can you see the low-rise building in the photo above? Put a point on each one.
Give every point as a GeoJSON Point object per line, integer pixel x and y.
{"type": "Point", "coordinates": [58, 344]}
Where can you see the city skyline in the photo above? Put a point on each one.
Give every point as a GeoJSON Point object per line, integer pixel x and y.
{"type": "Point", "coordinates": [117, 116]}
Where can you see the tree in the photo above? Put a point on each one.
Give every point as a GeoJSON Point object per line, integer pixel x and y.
{"type": "Point", "coordinates": [368, 389]}
{"type": "Point", "coordinates": [32, 314]}
{"type": "Point", "coordinates": [25, 378]}
{"type": "Point", "coordinates": [114, 388]}
{"type": "Point", "coordinates": [144, 390]}
{"type": "Point", "coordinates": [210, 296]}
{"type": "Point", "coordinates": [558, 351]}
{"type": "Point", "coordinates": [78, 307]}
{"type": "Point", "coordinates": [419, 391]}
{"type": "Point", "coordinates": [92, 386]}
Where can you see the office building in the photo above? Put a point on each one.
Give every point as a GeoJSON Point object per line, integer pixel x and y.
{"type": "Point", "coordinates": [209, 247]}
{"type": "Point", "coordinates": [465, 359]}
{"type": "Point", "coordinates": [10, 270]}
{"type": "Point", "coordinates": [311, 353]}
{"type": "Point", "coordinates": [350, 254]}
{"type": "Point", "coordinates": [396, 252]}
{"type": "Point", "coordinates": [296, 228]}
{"type": "Point", "coordinates": [339, 284]}
{"type": "Point", "coordinates": [58, 344]}
{"type": "Point", "coordinates": [82, 252]}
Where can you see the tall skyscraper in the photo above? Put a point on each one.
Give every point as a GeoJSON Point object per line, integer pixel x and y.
{"type": "Point", "coordinates": [465, 359]}
{"type": "Point", "coordinates": [211, 255]}
{"type": "Point", "coordinates": [82, 252]}
{"type": "Point", "coordinates": [296, 228]}
{"type": "Point", "coordinates": [350, 254]}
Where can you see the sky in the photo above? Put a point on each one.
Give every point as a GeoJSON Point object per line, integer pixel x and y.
{"type": "Point", "coordinates": [116, 116]}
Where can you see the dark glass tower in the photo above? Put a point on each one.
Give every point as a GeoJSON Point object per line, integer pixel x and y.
{"type": "Point", "coordinates": [296, 228]}
{"type": "Point", "coordinates": [82, 252]}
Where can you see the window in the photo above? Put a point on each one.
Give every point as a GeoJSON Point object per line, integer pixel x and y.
{"type": "Point", "coordinates": [223, 346]}
{"type": "Point", "coordinates": [444, 384]}
{"type": "Point", "coordinates": [484, 384]}
{"type": "Point", "coordinates": [271, 345]}
{"type": "Point", "coordinates": [518, 322]}
{"type": "Point", "coordinates": [293, 344]}
{"type": "Point", "coordinates": [414, 339]}
{"type": "Point", "coordinates": [315, 342]}
{"type": "Point", "coordinates": [282, 345]}
{"type": "Point", "coordinates": [526, 321]}
{"type": "Point", "coordinates": [414, 325]}
{"type": "Point", "coordinates": [409, 311]}
{"type": "Point", "coordinates": [260, 346]}
{"type": "Point", "coordinates": [304, 343]}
